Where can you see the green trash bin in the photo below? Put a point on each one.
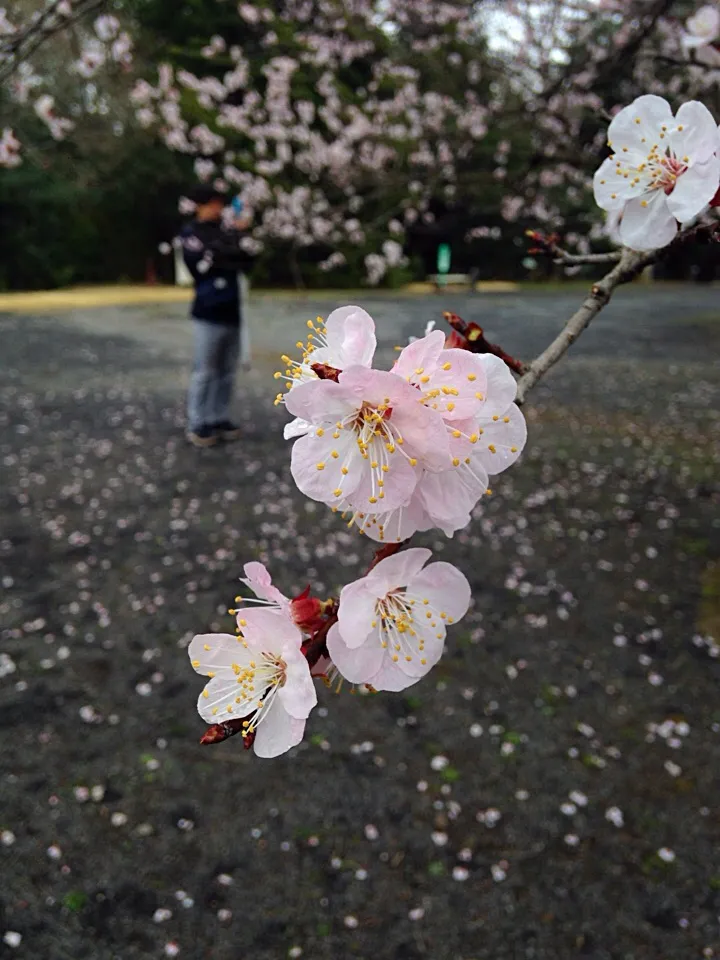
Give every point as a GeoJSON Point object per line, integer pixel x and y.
{"type": "Point", "coordinates": [443, 261]}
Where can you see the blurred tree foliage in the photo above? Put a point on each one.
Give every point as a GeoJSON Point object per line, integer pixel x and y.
{"type": "Point", "coordinates": [94, 208]}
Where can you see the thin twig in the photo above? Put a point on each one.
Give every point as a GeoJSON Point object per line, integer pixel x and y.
{"type": "Point", "coordinates": [548, 243]}
{"type": "Point", "coordinates": [582, 259]}
{"type": "Point", "coordinates": [23, 45]}
{"type": "Point", "coordinates": [631, 265]}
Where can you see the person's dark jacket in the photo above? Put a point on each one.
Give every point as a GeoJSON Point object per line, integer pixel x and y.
{"type": "Point", "coordinates": [214, 257]}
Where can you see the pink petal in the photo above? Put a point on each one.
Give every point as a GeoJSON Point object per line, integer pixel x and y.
{"type": "Point", "coordinates": [446, 588]}
{"type": "Point", "coordinates": [466, 376]}
{"type": "Point", "coordinates": [269, 630]}
{"type": "Point", "coordinates": [359, 664]}
{"type": "Point", "coordinates": [298, 695]}
{"type": "Point", "coordinates": [423, 433]}
{"type": "Point", "coordinates": [449, 498]}
{"type": "Point", "coordinates": [500, 442]}
{"type": "Point", "coordinates": [277, 732]}
{"type": "Point", "coordinates": [396, 571]}
{"type": "Point", "coordinates": [258, 579]}
{"type": "Point", "coordinates": [351, 336]}
{"type": "Point", "coordinates": [318, 474]}
{"type": "Point", "coordinates": [222, 652]}
{"type": "Point", "coordinates": [319, 401]}
{"type": "Point", "coordinates": [420, 354]}
{"type": "Point", "coordinates": [500, 389]}
{"type": "Point", "coordinates": [356, 613]}
{"type": "Point", "coordinates": [398, 481]}
{"type": "Point", "coordinates": [389, 677]}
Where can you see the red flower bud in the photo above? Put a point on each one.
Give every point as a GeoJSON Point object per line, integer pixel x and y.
{"type": "Point", "coordinates": [326, 372]}
{"type": "Point", "coordinates": [307, 611]}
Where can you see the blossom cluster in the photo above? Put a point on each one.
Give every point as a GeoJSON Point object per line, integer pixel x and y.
{"type": "Point", "coordinates": [397, 451]}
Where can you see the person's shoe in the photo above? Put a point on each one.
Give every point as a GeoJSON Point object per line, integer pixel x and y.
{"type": "Point", "coordinates": [226, 430]}
{"type": "Point", "coordinates": [203, 437]}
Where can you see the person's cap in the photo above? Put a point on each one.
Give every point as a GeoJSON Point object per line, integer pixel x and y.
{"type": "Point", "coordinates": [204, 193]}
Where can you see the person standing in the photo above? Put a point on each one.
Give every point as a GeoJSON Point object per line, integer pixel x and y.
{"type": "Point", "coordinates": [214, 257]}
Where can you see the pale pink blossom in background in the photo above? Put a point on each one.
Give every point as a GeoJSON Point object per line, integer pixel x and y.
{"type": "Point", "coordinates": [703, 27]}
{"type": "Point", "coordinates": [9, 149]}
{"type": "Point", "coordinates": [6, 27]}
{"type": "Point", "coordinates": [392, 623]}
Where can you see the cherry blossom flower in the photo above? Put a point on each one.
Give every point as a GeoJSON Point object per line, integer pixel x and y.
{"type": "Point", "coordinates": [664, 169]}
{"type": "Point", "coordinates": [260, 676]}
{"type": "Point", "coordinates": [474, 396]}
{"type": "Point", "coordinates": [392, 623]}
{"type": "Point", "coordinates": [703, 28]}
{"type": "Point", "coordinates": [347, 337]}
{"type": "Point", "coordinates": [368, 433]}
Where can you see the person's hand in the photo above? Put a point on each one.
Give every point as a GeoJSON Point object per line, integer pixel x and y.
{"type": "Point", "coordinates": [243, 221]}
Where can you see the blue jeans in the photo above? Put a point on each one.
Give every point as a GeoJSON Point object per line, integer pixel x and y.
{"type": "Point", "coordinates": [217, 347]}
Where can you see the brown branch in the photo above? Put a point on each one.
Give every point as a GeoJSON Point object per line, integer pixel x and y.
{"type": "Point", "coordinates": [547, 243]}
{"type": "Point", "coordinates": [630, 266]}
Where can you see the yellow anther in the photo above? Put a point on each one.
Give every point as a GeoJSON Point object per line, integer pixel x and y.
{"type": "Point", "coordinates": [473, 438]}
{"type": "Point", "coordinates": [372, 499]}
{"type": "Point", "coordinates": [456, 434]}
{"type": "Point", "coordinates": [320, 432]}
{"type": "Point", "coordinates": [425, 379]}
{"type": "Point", "coordinates": [479, 396]}
{"type": "Point", "coordinates": [206, 693]}
{"type": "Point", "coordinates": [471, 377]}
{"type": "Point", "coordinates": [206, 646]}
{"type": "Point", "coordinates": [513, 449]}
{"type": "Point", "coordinates": [451, 407]}
{"type": "Point", "coordinates": [337, 493]}
{"type": "Point", "coordinates": [320, 466]}
{"type": "Point", "coordinates": [412, 461]}
{"type": "Point", "coordinates": [491, 448]}
{"type": "Point", "coordinates": [447, 366]}
{"type": "Point", "coordinates": [456, 462]}
{"type": "Point", "coordinates": [196, 663]}
{"type": "Point", "coordinates": [344, 471]}
{"type": "Point", "coordinates": [334, 454]}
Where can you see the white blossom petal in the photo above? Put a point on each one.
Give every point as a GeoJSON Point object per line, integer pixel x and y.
{"type": "Point", "coordinates": [695, 189]}
{"type": "Point", "coordinates": [648, 224]}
